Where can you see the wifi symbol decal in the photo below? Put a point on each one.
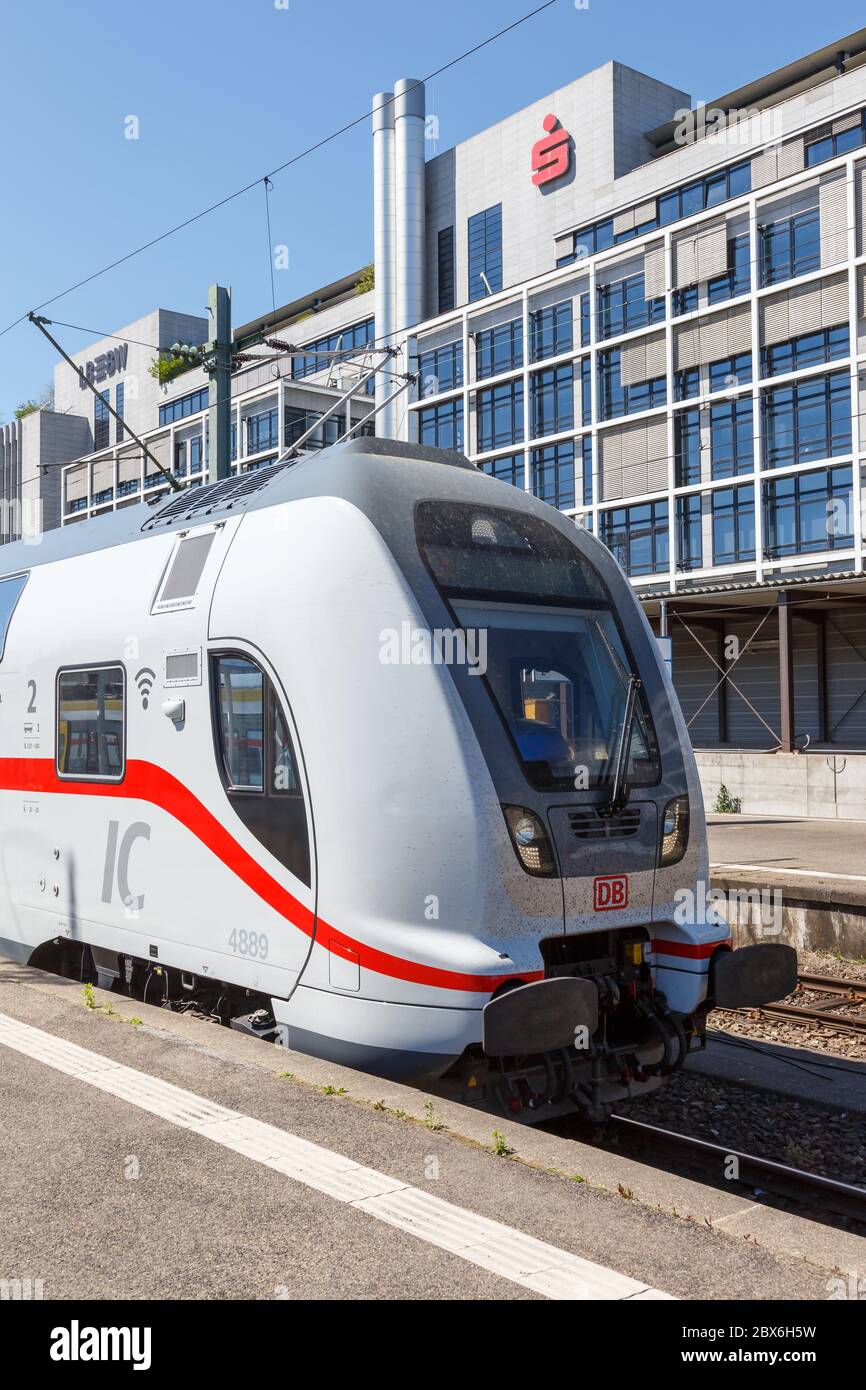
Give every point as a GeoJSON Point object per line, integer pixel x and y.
{"type": "Point", "coordinates": [144, 679]}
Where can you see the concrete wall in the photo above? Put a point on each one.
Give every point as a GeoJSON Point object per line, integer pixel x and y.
{"type": "Point", "coordinates": [787, 784]}
{"type": "Point", "coordinates": [50, 441]}
{"type": "Point", "coordinates": [142, 393]}
{"type": "Point", "coordinates": [810, 915]}
{"type": "Point", "coordinates": [605, 112]}
{"type": "Point", "coordinates": [33, 451]}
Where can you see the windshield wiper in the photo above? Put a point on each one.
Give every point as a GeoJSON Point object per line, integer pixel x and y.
{"type": "Point", "coordinates": [619, 789]}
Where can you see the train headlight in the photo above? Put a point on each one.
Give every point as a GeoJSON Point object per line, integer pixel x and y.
{"type": "Point", "coordinates": [675, 831]}
{"type": "Point", "coordinates": [530, 841]}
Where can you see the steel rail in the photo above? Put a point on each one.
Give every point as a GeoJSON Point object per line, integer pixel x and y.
{"type": "Point", "coordinates": [762, 1175]}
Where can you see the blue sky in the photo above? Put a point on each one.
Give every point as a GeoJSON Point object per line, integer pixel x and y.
{"type": "Point", "coordinates": [225, 90]}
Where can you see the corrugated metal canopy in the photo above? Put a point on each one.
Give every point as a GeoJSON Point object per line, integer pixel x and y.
{"type": "Point", "coordinates": [831, 583]}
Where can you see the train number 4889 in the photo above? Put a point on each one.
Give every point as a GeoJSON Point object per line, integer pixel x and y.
{"type": "Point", "coordinates": [249, 943]}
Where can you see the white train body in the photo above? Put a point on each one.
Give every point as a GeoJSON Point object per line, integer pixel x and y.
{"type": "Point", "coordinates": [363, 889]}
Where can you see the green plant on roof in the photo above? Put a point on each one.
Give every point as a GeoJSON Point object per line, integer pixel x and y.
{"type": "Point", "coordinates": [167, 366]}
{"type": "Point", "coordinates": [367, 280]}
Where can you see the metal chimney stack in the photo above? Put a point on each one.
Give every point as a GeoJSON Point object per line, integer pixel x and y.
{"type": "Point", "coordinates": [410, 202]}
{"type": "Point", "coordinates": [383, 245]}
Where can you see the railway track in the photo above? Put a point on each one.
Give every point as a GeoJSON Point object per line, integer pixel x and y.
{"type": "Point", "coordinates": [844, 993]}
{"type": "Point", "coordinates": [762, 1176]}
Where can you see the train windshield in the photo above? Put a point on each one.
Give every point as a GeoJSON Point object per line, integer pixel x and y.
{"type": "Point", "coordinates": [541, 626]}
{"type": "Point", "coordinates": [559, 677]}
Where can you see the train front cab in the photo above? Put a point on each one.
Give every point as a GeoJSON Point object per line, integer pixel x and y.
{"type": "Point", "coordinates": [594, 771]}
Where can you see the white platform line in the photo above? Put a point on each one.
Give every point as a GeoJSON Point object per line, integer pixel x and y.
{"type": "Point", "coordinates": [509, 1253]}
{"type": "Point", "coordinates": [781, 870]}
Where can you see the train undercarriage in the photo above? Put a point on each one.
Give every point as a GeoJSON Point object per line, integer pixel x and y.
{"type": "Point", "coordinates": [595, 1031]}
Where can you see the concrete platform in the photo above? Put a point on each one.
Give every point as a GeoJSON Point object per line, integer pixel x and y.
{"type": "Point", "coordinates": [820, 1078]}
{"type": "Point", "coordinates": [811, 872]}
{"type": "Point", "coordinates": [104, 1200]}
{"type": "Point", "coordinates": [829, 851]}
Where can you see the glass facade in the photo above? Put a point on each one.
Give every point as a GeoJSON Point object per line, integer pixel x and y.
{"type": "Point", "coordinates": [551, 331]}
{"type": "Point", "coordinates": [179, 409]}
{"type": "Point", "coordinates": [638, 537]}
{"type": "Point", "coordinates": [441, 370]}
{"type": "Point", "coordinates": [790, 247]}
{"type": "Point", "coordinates": [508, 468]}
{"type": "Point", "coordinates": [485, 253]}
{"type": "Point", "coordinates": [623, 307]}
{"type": "Point", "coordinates": [689, 552]}
{"type": "Point", "coordinates": [808, 512]}
{"type": "Point", "coordinates": [354, 335]}
{"type": "Point", "coordinates": [807, 419]}
{"type": "Point", "coordinates": [733, 510]}
{"type": "Point", "coordinates": [806, 350]}
{"type": "Point", "coordinates": [499, 415]}
{"type": "Point", "coordinates": [101, 421]}
{"type": "Point", "coordinates": [829, 145]}
{"type": "Point", "coordinates": [732, 441]}
{"type": "Point", "coordinates": [615, 399]}
{"type": "Point", "coordinates": [445, 266]}
{"type": "Point", "coordinates": [738, 278]}
{"type": "Point", "coordinates": [552, 473]}
{"type": "Point", "coordinates": [730, 372]}
{"type": "Point", "coordinates": [707, 192]}
{"type": "Point", "coordinates": [298, 421]}
{"type": "Point", "coordinates": [442, 425]}
{"type": "Point", "coordinates": [687, 446]}
{"type": "Point", "coordinates": [263, 430]}
{"type": "Point", "coordinates": [552, 397]}
{"type": "Point", "coordinates": [499, 349]}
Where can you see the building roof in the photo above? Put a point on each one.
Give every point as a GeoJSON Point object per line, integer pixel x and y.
{"type": "Point", "coordinates": [844, 55]}
{"type": "Point", "coordinates": [309, 304]}
{"type": "Point", "coordinates": [313, 473]}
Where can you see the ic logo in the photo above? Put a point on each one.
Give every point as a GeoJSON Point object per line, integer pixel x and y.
{"type": "Point", "coordinates": [609, 892]}
{"type": "Point", "coordinates": [551, 155]}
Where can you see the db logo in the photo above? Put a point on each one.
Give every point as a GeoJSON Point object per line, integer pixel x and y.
{"type": "Point", "coordinates": [610, 892]}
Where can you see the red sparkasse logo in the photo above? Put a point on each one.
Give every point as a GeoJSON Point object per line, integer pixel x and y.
{"type": "Point", "coordinates": [609, 891]}
{"type": "Point", "coordinates": [551, 155]}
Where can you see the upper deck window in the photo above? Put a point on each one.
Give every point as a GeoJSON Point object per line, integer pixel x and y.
{"type": "Point", "coordinates": [10, 592]}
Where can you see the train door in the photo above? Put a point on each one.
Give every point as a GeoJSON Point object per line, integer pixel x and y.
{"type": "Point", "coordinates": [260, 772]}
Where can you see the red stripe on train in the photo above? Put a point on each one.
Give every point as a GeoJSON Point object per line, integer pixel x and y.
{"type": "Point", "coordinates": [701, 950]}
{"type": "Point", "coordinates": [147, 782]}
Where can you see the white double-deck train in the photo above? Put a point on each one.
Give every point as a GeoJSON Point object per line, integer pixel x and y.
{"type": "Point", "coordinates": [371, 754]}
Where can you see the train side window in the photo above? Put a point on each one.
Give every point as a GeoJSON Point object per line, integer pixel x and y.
{"type": "Point", "coordinates": [241, 690]}
{"type": "Point", "coordinates": [91, 723]}
{"type": "Point", "coordinates": [10, 592]}
{"type": "Point", "coordinates": [257, 760]}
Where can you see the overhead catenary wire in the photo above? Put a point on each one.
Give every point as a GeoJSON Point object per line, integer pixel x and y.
{"type": "Point", "coordinates": [585, 349]}
{"type": "Point", "coordinates": [694, 489]}
{"type": "Point", "coordinates": [280, 168]}
{"type": "Point", "coordinates": [576, 267]}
